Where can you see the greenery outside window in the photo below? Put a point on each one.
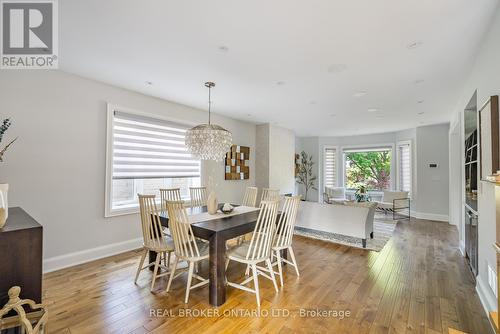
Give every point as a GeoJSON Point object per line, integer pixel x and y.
{"type": "Point", "coordinates": [370, 168]}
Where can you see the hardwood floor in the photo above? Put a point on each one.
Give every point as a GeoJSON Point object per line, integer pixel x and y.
{"type": "Point", "coordinates": [418, 283]}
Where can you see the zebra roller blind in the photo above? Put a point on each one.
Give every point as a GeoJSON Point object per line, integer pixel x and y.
{"type": "Point", "coordinates": [330, 170]}
{"type": "Point", "coordinates": [145, 147]}
{"type": "Point", "coordinates": [404, 162]}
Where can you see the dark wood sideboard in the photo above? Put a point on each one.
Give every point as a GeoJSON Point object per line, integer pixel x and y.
{"type": "Point", "coordinates": [21, 256]}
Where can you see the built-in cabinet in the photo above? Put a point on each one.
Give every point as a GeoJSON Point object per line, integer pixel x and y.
{"type": "Point", "coordinates": [471, 168]}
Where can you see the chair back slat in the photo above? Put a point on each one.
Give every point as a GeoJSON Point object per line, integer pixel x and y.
{"type": "Point", "coordinates": [284, 229]}
{"type": "Point", "coordinates": [184, 240]}
{"type": "Point", "coordinates": [198, 196]}
{"type": "Point", "coordinates": [250, 198]}
{"type": "Point", "coordinates": [263, 234]}
{"type": "Point", "coordinates": [171, 194]}
{"type": "Point", "coordinates": [152, 232]}
{"type": "Point", "coordinates": [269, 195]}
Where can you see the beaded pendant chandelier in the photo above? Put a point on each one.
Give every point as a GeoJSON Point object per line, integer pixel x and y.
{"type": "Point", "coordinates": [208, 141]}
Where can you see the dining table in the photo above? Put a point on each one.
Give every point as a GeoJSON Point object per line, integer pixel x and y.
{"type": "Point", "coordinates": [217, 230]}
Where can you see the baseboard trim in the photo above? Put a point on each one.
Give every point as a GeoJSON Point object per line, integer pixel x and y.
{"type": "Point", "coordinates": [73, 259]}
{"type": "Point", "coordinates": [461, 247]}
{"type": "Point", "coordinates": [430, 216]}
{"type": "Point", "coordinates": [487, 299]}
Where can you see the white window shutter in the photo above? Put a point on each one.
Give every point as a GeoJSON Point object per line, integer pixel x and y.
{"type": "Point", "coordinates": [404, 167]}
{"type": "Point", "coordinates": [330, 168]}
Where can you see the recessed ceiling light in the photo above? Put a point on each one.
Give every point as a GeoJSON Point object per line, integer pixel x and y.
{"type": "Point", "coordinates": [149, 83]}
{"type": "Point", "coordinates": [337, 68]}
{"type": "Point", "coordinates": [372, 109]}
{"type": "Point", "coordinates": [223, 48]}
{"type": "Point", "coordinates": [414, 45]}
{"type": "Point", "coordinates": [420, 101]}
{"type": "Point", "coordinates": [360, 94]}
{"type": "Point", "coordinates": [280, 83]}
{"type": "Point", "coordinates": [421, 113]}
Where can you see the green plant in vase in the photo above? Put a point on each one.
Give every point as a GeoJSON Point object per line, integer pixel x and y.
{"type": "Point", "coordinates": [3, 128]}
{"type": "Point", "coordinates": [4, 187]}
{"type": "Point", "coordinates": [361, 194]}
{"type": "Point", "coordinates": [305, 174]}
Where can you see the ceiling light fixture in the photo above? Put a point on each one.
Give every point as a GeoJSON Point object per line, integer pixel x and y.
{"type": "Point", "coordinates": [418, 82]}
{"type": "Point", "coordinates": [372, 109]}
{"type": "Point", "coordinates": [208, 141]}
{"type": "Point", "coordinates": [414, 45]}
{"type": "Point", "coordinates": [223, 48]}
{"type": "Point", "coordinates": [360, 94]}
{"type": "Point", "coordinates": [337, 68]}
{"type": "Point", "coordinates": [280, 83]}
{"type": "Point", "coordinates": [421, 113]}
{"type": "Point", "coordinates": [149, 83]}
{"type": "Point", "coordinates": [420, 101]}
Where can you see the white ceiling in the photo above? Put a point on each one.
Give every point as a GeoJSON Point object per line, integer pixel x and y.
{"type": "Point", "coordinates": [324, 51]}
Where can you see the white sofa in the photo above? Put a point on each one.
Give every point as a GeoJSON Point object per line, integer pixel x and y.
{"type": "Point", "coordinates": [350, 219]}
{"type": "Point", "coordinates": [334, 194]}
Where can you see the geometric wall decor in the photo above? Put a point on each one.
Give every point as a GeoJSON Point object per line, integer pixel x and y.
{"type": "Point", "coordinates": [237, 163]}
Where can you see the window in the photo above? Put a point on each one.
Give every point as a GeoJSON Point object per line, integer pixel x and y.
{"type": "Point", "coordinates": [404, 166]}
{"type": "Point", "coordinates": [369, 167]}
{"type": "Point", "coordinates": [144, 155]}
{"type": "Point", "coordinates": [329, 167]}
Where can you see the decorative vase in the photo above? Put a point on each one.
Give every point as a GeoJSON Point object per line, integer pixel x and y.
{"type": "Point", "coordinates": [212, 203]}
{"type": "Point", "coordinates": [4, 206]}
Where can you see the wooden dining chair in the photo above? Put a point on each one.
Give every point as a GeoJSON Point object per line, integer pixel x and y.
{"type": "Point", "coordinates": [257, 250]}
{"type": "Point", "coordinates": [250, 197]}
{"type": "Point", "coordinates": [284, 235]}
{"type": "Point", "coordinates": [198, 196]}
{"type": "Point", "coordinates": [169, 194]}
{"type": "Point", "coordinates": [154, 239]}
{"type": "Point", "coordinates": [31, 317]}
{"type": "Point", "coordinates": [187, 247]}
{"type": "Point", "coordinates": [269, 195]}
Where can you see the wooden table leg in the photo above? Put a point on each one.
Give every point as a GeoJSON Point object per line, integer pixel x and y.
{"type": "Point", "coordinates": [284, 255]}
{"type": "Point", "coordinates": [217, 285]}
{"type": "Point", "coordinates": [152, 258]}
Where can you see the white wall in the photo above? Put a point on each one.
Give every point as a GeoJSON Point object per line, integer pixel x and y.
{"type": "Point", "coordinates": [275, 158]}
{"type": "Point", "coordinates": [56, 170]}
{"type": "Point", "coordinates": [485, 77]}
{"type": "Point", "coordinates": [432, 197]}
{"type": "Point", "coordinates": [262, 151]}
{"type": "Point", "coordinates": [282, 160]}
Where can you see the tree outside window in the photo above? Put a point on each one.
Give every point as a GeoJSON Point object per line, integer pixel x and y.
{"type": "Point", "coordinates": [371, 169]}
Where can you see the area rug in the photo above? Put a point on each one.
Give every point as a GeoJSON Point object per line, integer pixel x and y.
{"type": "Point", "coordinates": [383, 228]}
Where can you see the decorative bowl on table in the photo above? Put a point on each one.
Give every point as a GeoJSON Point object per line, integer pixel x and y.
{"type": "Point", "coordinates": [227, 208]}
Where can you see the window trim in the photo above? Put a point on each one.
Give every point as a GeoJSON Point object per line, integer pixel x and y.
{"type": "Point", "coordinates": [111, 108]}
{"type": "Point", "coordinates": [398, 144]}
{"type": "Point", "coordinates": [390, 146]}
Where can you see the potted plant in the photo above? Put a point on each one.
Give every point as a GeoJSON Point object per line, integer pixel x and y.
{"type": "Point", "coordinates": [4, 187]}
{"type": "Point", "coordinates": [361, 195]}
{"type": "Point", "coordinates": [305, 174]}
